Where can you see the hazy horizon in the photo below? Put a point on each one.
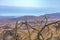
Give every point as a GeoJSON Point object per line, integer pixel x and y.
{"type": "Point", "coordinates": [28, 7]}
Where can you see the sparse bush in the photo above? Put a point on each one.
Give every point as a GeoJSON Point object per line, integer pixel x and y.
{"type": "Point", "coordinates": [17, 34]}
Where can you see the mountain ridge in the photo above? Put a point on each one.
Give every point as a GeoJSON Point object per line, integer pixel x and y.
{"type": "Point", "coordinates": [29, 18]}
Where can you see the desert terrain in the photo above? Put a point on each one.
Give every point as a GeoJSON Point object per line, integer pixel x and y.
{"type": "Point", "coordinates": [45, 27]}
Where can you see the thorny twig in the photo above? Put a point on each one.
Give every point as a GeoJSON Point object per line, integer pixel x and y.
{"type": "Point", "coordinates": [44, 28]}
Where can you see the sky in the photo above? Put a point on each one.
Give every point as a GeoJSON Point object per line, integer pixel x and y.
{"type": "Point", "coordinates": [28, 7]}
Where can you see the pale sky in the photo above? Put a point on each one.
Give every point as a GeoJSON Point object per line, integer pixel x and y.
{"type": "Point", "coordinates": [20, 3]}
{"type": "Point", "coordinates": [33, 7]}
{"type": "Point", "coordinates": [31, 3]}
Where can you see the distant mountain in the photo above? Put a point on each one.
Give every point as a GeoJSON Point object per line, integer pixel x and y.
{"type": "Point", "coordinates": [49, 16]}
{"type": "Point", "coordinates": [53, 15]}
{"type": "Point", "coordinates": [7, 17]}
{"type": "Point", "coordinates": [29, 18]}
{"type": "Point", "coordinates": [26, 18]}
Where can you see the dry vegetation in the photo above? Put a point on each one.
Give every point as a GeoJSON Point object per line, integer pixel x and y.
{"type": "Point", "coordinates": [25, 31]}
